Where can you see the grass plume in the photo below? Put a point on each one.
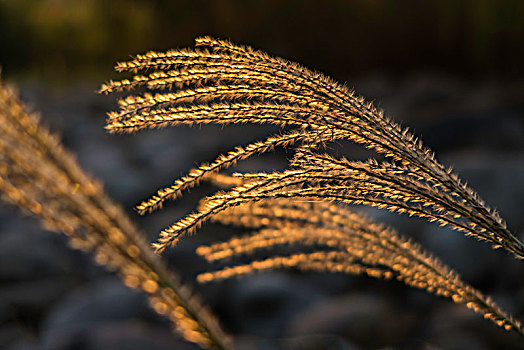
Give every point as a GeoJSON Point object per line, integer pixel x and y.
{"type": "Point", "coordinates": [219, 82]}
{"type": "Point", "coordinates": [222, 83]}
{"type": "Point", "coordinates": [38, 175]}
{"type": "Point", "coordinates": [355, 245]}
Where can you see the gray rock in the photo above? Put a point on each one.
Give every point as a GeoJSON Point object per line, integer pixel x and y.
{"type": "Point", "coordinates": [104, 302]}
{"type": "Point", "coordinates": [317, 342]}
{"type": "Point", "coordinates": [33, 254]}
{"type": "Point", "coordinates": [305, 342]}
{"type": "Point", "coordinates": [453, 326]}
{"type": "Point", "coordinates": [366, 319]}
{"type": "Point", "coordinates": [128, 335]}
{"type": "Point", "coordinates": [264, 304]}
{"type": "Point", "coordinates": [35, 294]}
{"type": "Point", "coordinates": [9, 335]}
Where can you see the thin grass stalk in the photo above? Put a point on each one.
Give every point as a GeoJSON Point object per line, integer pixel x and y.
{"type": "Point", "coordinates": [38, 175]}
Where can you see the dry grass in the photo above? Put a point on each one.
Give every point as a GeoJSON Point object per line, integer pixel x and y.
{"type": "Point", "coordinates": [306, 205]}
{"type": "Point", "coordinates": [39, 176]}
{"type": "Point", "coordinates": [219, 82]}
{"type": "Point", "coordinates": [223, 83]}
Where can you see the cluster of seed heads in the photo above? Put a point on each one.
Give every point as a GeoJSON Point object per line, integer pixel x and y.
{"type": "Point", "coordinates": [219, 82]}
{"type": "Point", "coordinates": [222, 83]}
{"type": "Point", "coordinates": [306, 205]}
{"type": "Point", "coordinates": [40, 176]}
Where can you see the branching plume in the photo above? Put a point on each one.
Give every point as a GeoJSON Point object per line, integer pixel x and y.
{"type": "Point", "coordinates": [219, 82]}
{"type": "Point", "coordinates": [223, 83]}
{"type": "Point", "coordinates": [304, 206]}
{"type": "Point", "coordinates": [39, 176]}
{"type": "Point", "coordinates": [355, 245]}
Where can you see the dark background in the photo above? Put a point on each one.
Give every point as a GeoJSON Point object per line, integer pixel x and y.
{"type": "Point", "coordinates": [451, 70]}
{"type": "Point", "coordinates": [55, 40]}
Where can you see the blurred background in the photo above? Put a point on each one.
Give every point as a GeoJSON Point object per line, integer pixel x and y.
{"type": "Point", "coordinates": [451, 70]}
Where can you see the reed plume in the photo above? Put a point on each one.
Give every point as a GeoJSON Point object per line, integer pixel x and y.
{"type": "Point", "coordinates": [38, 175]}
{"type": "Point", "coordinates": [223, 83]}
{"type": "Point", "coordinates": [355, 245]}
